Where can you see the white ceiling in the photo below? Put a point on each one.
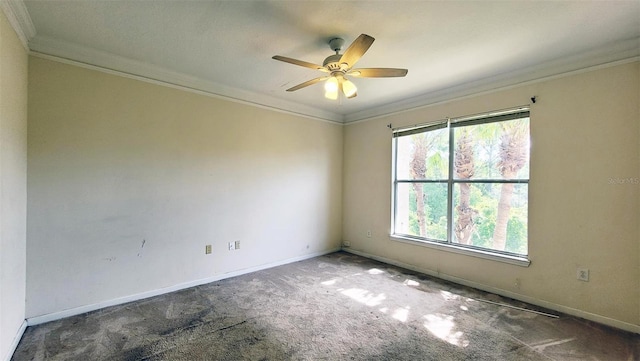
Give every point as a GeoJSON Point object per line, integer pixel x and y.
{"type": "Point", "coordinates": [451, 48]}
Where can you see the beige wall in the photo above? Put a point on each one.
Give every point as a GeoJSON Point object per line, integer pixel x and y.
{"type": "Point", "coordinates": [128, 181]}
{"type": "Point", "coordinates": [13, 183]}
{"type": "Point", "coordinates": [584, 196]}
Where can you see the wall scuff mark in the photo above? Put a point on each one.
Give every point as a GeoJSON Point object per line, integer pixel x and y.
{"type": "Point", "coordinates": [141, 247]}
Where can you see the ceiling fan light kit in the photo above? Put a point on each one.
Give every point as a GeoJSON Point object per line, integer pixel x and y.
{"type": "Point", "coordinates": [340, 65]}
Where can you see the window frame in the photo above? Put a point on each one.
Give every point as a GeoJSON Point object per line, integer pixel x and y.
{"type": "Point", "coordinates": [451, 124]}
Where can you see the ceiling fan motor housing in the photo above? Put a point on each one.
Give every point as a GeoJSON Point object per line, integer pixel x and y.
{"type": "Point", "coordinates": [333, 62]}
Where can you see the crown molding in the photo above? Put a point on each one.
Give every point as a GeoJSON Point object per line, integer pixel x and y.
{"type": "Point", "coordinates": [613, 54]}
{"type": "Point", "coordinates": [102, 61]}
{"type": "Point", "coordinates": [19, 18]}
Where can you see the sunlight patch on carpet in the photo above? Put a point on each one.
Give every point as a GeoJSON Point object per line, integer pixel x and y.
{"type": "Point", "coordinates": [449, 296]}
{"type": "Point", "coordinates": [375, 271]}
{"type": "Point", "coordinates": [364, 296]}
{"type": "Point", "coordinates": [329, 282]}
{"type": "Point", "coordinates": [442, 326]}
{"type": "Point", "coordinates": [409, 282]}
{"type": "Point", "coordinates": [401, 314]}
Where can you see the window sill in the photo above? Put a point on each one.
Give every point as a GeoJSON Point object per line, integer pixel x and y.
{"type": "Point", "coordinates": [514, 260]}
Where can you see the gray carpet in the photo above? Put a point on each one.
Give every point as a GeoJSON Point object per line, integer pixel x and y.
{"type": "Point", "coordinates": [335, 307]}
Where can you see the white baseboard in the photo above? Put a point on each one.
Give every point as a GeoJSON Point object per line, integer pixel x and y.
{"type": "Point", "coordinates": [534, 301]}
{"type": "Point", "coordinates": [16, 341]}
{"type": "Point", "coordinates": [31, 321]}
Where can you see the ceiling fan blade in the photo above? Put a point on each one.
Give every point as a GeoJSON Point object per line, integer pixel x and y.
{"type": "Point", "coordinates": [355, 51]}
{"type": "Point", "coordinates": [307, 83]}
{"type": "Point", "coordinates": [378, 72]}
{"type": "Point", "coordinates": [300, 63]}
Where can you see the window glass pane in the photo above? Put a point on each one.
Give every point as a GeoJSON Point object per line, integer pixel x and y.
{"type": "Point", "coordinates": [497, 150]}
{"type": "Point", "coordinates": [491, 215]}
{"type": "Point", "coordinates": [421, 210]}
{"type": "Point", "coordinates": [423, 155]}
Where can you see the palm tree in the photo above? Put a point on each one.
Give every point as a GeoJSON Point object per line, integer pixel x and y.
{"type": "Point", "coordinates": [418, 169]}
{"type": "Point", "coordinates": [427, 163]}
{"type": "Point", "coordinates": [513, 156]}
{"type": "Point", "coordinates": [464, 168]}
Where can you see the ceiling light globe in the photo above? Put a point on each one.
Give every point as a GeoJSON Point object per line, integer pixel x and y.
{"type": "Point", "coordinates": [333, 95]}
{"type": "Point", "coordinates": [349, 89]}
{"type": "Point", "coordinates": [331, 85]}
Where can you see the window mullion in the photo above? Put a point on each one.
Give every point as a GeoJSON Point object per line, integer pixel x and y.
{"type": "Point", "coordinates": [450, 187]}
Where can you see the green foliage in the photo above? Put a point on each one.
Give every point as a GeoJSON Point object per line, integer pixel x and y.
{"type": "Point", "coordinates": [484, 199]}
{"type": "Point", "coordinates": [437, 203]}
{"type": "Point", "coordinates": [516, 235]}
{"type": "Point", "coordinates": [438, 230]}
{"type": "Point", "coordinates": [486, 205]}
{"type": "Point", "coordinates": [517, 230]}
{"type": "Point", "coordinates": [435, 211]}
{"type": "Point", "coordinates": [414, 227]}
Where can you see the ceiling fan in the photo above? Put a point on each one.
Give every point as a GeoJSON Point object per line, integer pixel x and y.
{"type": "Point", "coordinates": [338, 66]}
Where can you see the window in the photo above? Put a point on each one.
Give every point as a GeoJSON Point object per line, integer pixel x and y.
{"type": "Point", "coordinates": [464, 183]}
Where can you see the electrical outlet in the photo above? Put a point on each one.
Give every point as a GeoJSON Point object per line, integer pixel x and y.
{"type": "Point", "coordinates": [517, 283]}
{"type": "Point", "coordinates": [368, 234]}
{"type": "Point", "coordinates": [207, 249]}
{"type": "Point", "coordinates": [346, 244]}
{"type": "Point", "coordinates": [237, 245]}
{"type": "Point", "coordinates": [232, 246]}
{"type": "Point", "coordinates": [583, 274]}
